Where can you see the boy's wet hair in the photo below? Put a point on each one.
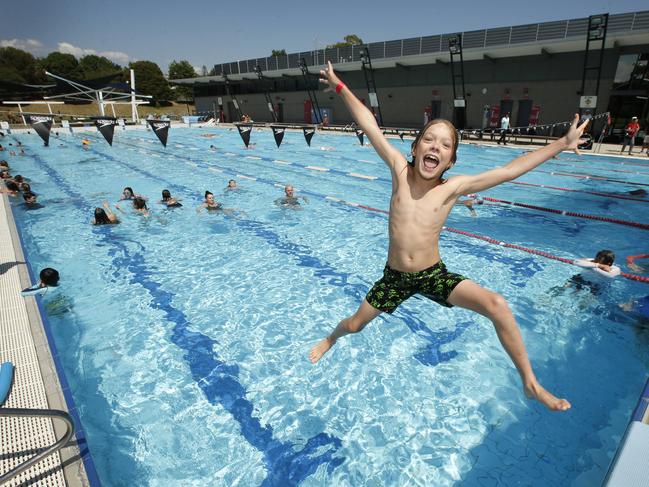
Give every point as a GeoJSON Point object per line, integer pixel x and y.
{"type": "Point", "coordinates": [27, 195]}
{"type": "Point", "coordinates": [165, 194]}
{"type": "Point", "coordinates": [606, 257]}
{"type": "Point", "coordinates": [11, 186]}
{"type": "Point", "coordinates": [49, 276]}
{"type": "Point", "coordinates": [449, 125]}
{"type": "Point", "coordinates": [101, 218]}
{"type": "Point", "coordinates": [139, 204]}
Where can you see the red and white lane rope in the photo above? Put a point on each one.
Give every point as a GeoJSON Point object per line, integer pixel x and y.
{"type": "Point", "coordinates": [596, 193]}
{"type": "Point", "coordinates": [493, 241]}
{"type": "Point", "coordinates": [643, 226]}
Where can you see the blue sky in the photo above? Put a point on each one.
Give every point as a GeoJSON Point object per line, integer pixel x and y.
{"type": "Point", "coordinates": [208, 32]}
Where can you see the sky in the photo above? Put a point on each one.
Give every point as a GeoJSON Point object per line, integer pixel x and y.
{"type": "Point", "coordinates": [211, 32]}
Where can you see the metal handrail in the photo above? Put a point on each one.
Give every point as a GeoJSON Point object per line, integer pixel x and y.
{"type": "Point", "coordinates": [47, 413]}
{"type": "Point", "coordinates": [500, 36]}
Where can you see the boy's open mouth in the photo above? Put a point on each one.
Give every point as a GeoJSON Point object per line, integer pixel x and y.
{"type": "Point", "coordinates": [431, 161]}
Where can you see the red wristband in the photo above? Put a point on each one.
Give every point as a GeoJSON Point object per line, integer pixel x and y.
{"type": "Point", "coordinates": [339, 87]}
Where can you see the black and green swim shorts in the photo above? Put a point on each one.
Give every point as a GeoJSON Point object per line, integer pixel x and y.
{"type": "Point", "coordinates": [435, 283]}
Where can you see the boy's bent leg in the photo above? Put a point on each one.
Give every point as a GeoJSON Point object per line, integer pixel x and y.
{"type": "Point", "coordinates": [353, 324]}
{"type": "Point", "coordinates": [470, 295]}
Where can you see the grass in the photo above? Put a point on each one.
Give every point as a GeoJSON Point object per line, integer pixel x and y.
{"type": "Point", "coordinates": [92, 110]}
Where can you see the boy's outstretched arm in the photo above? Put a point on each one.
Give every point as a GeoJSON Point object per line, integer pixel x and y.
{"type": "Point", "coordinates": [363, 117]}
{"type": "Point", "coordinates": [522, 164]}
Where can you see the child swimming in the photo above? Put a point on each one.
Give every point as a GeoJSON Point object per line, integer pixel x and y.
{"type": "Point", "coordinates": [420, 204]}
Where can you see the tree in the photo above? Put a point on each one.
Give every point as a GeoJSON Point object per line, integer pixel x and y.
{"type": "Point", "coordinates": [19, 66]}
{"type": "Point", "coordinates": [93, 66]}
{"type": "Point", "coordinates": [61, 64]}
{"type": "Point", "coordinates": [350, 40]}
{"type": "Point", "coordinates": [278, 52]}
{"type": "Point", "coordinates": [180, 70]}
{"type": "Point", "coordinates": [150, 81]}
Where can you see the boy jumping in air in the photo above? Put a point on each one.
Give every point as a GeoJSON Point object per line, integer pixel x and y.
{"type": "Point", "coordinates": [421, 201]}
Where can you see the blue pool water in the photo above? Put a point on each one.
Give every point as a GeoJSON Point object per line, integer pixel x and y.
{"type": "Point", "coordinates": [184, 336]}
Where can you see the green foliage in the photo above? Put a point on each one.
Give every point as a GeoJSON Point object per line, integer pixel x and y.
{"type": "Point", "coordinates": [181, 69]}
{"type": "Point", "coordinates": [65, 65]}
{"type": "Point", "coordinates": [19, 66]}
{"type": "Point", "coordinates": [350, 40]}
{"type": "Point", "coordinates": [150, 81]}
{"type": "Point", "coordinates": [278, 52]}
{"type": "Point", "coordinates": [93, 66]}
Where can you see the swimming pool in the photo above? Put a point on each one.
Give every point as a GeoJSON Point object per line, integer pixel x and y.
{"type": "Point", "coordinates": [184, 336]}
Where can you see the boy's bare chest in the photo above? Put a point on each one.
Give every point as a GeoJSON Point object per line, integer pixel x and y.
{"type": "Point", "coordinates": [427, 210]}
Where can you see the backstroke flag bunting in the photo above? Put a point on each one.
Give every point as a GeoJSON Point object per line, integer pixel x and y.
{"type": "Point", "coordinates": [360, 134]}
{"type": "Point", "coordinates": [161, 129]}
{"type": "Point", "coordinates": [107, 127]}
{"type": "Point", "coordinates": [42, 125]}
{"type": "Point", "coordinates": [278, 133]}
{"type": "Point", "coordinates": [308, 134]}
{"type": "Point", "coordinates": [244, 132]}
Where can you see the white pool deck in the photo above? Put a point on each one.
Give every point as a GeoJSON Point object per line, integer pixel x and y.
{"type": "Point", "coordinates": [36, 383]}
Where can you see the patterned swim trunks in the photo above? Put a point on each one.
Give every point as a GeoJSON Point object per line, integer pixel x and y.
{"type": "Point", "coordinates": [435, 283]}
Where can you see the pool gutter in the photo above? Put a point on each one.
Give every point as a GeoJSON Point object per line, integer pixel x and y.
{"type": "Point", "coordinates": [56, 388]}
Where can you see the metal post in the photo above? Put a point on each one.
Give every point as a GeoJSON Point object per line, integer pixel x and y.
{"type": "Point", "coordinates": [269, 101]}
{"type": "Point", "coordinates": [459, 104]}
{"type": "Point", "coordinates": [597, 27]}
{"type": "Point", "coordinates": [368, 73]}
{"type": "Point", "coordinates": [312, 96]}
{"type": "Point", "coordinates": [134, 115]}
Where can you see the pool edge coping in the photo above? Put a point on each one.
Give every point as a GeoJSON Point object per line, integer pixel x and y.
{"type": "Point", "coordinates": [57, 391]}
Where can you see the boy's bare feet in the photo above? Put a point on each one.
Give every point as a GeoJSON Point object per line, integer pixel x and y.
{"type": "Point", "coordinates": [553, 403]}
{"type": "Point", "coordinates": [320, 349]}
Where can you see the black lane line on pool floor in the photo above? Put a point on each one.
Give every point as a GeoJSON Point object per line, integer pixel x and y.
{"type": "Point", "coordinates": [218, 380]}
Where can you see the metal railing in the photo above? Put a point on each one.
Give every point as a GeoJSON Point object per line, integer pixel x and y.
{"type": "Point", "coordinates": [500, 36]}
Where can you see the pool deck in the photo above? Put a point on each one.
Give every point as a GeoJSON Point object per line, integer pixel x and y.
{"type": "Point", "coordinates": [23, 341]}
{"type": "Point", "coordinates": [36, 382]}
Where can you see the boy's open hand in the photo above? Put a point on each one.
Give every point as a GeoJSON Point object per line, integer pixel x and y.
{"type": "Point", "coordinates": [329, 78]}
{"type": "Point", "coordinates": [574, 136]}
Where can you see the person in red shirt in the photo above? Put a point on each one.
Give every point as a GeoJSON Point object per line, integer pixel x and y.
{"type": "Point", "coordinates": [630, 131]}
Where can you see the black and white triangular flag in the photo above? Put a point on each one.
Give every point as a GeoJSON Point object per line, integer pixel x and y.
{"type": "Point", "coordinates": [161, 129]}
{"type": "Point", "coordinates": [42, 125]}
{"type": "Point", "coordinates": [308, 134]}
{"type": "Point", "coordinates": [360, 134]}
{"type": "Point", "coordinates": [106, 127]}
{"type": "Point", "coordinates": [278, 133]}
{"type": "Point", "coordinates": [244, 132]}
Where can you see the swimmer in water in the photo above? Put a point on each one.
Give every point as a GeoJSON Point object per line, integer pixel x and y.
{"type": "Point", "coordinates": [232, 184]}
{"type": "Point", "coordinates": [209, 204]}
{"type": "Point", "coordinates": [104, 216]}
{"type": "Point", "coordinates": [127, 194]}
{"type": "Point", "coordinates": [289, 199]}
{"type": "Point", "coordinates": [168, 200]}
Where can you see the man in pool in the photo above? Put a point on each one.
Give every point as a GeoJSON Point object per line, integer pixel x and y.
{"type": "Point", "coordinates": [289, 198]}
{"type": "Point", "coordinates": [421, 201]}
